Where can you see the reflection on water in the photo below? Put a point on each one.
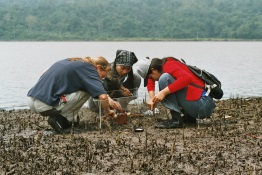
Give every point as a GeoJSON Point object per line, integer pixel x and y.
{"type": "Point", "coordinates": [236, 64]}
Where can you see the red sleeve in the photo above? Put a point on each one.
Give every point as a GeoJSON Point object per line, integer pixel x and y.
{"type": "Point", "coordinates": [150, 85]}
{"type": "Point", "coordinates": [179, 72]}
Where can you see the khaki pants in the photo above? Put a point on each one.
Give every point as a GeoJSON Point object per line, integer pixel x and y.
{"type": "Point", "coordinates": [69, 109]}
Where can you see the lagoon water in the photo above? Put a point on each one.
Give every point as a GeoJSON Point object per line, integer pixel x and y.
{"type": "Point", "coordinates": [236, 64]}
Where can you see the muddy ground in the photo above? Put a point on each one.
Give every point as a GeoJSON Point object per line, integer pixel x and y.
{"type": "Point", "coordinates": [229, 142]}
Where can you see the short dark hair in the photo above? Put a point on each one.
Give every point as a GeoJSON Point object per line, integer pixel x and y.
{"type": "Point", "coordinates": [157, 64]}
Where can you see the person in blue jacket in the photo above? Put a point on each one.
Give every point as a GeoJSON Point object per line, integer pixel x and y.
{"type": "Point", "coordinates": [64, 88]}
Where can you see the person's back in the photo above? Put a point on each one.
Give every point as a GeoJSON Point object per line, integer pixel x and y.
{"type": "Point", "coordinates": [65, 77]}
{"type": "Point", "coordinates": [63, 89]}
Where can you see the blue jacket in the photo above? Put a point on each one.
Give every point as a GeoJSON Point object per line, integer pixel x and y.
{"type": "Point", "coordinates": [65, 77]}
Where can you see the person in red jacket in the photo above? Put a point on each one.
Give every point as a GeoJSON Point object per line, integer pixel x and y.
{"type": "Point", "coordinates": [180, 90]}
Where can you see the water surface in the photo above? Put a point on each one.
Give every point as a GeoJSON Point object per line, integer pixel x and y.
{"type": "Point", "coordinates": [236, 64]}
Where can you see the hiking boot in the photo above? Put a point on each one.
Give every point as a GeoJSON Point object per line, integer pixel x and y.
{"type": "Point", "coordinates": [169, 124]}
{"type": "Point", "coordinates": [176, 116]}
{"type": "Point", "coordinates": [59, 123]}
{"type": "Point", "coordinates": [76, 121]}
{"type": "Point", "coordinates": [188, 119]}
{"type": "Point", "coordinates": [175, 122]}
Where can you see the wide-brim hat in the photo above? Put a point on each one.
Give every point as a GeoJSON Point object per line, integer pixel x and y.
{"type": "Point", "coordinates": [143, 67]}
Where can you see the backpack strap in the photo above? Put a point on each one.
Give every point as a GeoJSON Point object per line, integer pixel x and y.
{"type": "Point", "coordinates": [192, 84]}
{"type": "Point", "coordinates": [197, 86]}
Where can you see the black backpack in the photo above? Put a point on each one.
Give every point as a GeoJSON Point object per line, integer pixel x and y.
{"type": "Point", "coordinates": [212, 84]}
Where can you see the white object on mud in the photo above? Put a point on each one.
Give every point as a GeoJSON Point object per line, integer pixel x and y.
{"type": "Point", "coordinates": [150, 112]}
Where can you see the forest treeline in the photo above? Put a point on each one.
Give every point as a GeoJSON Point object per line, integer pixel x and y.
{"type": "Point", "coordinates": [91, 20]}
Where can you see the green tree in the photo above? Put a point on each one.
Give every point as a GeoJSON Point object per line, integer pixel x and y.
{"type": "Point", "coordinates": [31, 21]}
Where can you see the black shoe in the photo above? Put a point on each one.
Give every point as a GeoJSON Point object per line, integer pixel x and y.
{"type": "Point", "coordinates": [176, 116]}
{"type": "Point", "coordinates": [169, 124]}
{"type": "Point", "coordinates": [59, 123]}
{"type": "Point", "coordinates": [76, 121]}
{"type": "Point", "coordinates": [188, 119]}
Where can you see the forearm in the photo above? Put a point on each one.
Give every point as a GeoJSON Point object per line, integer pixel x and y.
{"type": "Point", "coordinates": [151, 94]}
{"type": "Point", "coordinates": [161, 95]}
{"type": "Point", "coordinates": [104, 102]}
{"type": "Point", "coordinates": [125, 91]}
{"type": "Point", "coordinates": [165, 91]}
{"type": "Point", "coordinates": [121, 87]}
{"type": "Point", "coordinates": [150, 101]}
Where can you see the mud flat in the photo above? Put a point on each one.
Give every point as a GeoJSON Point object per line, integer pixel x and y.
{"type": "Point", "coordinates": [229, 142]}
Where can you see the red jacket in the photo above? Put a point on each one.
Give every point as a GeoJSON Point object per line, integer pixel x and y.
{"type": "Point", "coordinates": [184, 77]}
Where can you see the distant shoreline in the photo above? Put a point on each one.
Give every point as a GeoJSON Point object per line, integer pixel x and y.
{"type": "Point", "coordinates": [141, 40]}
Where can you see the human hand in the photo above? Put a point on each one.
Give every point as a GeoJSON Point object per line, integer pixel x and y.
{"type": "Point", "coordinates": [159, 97]}
{"type": "Point", "coordinates": [151, 104]}
{"type": "Point", "coordinates": [115, 104]}
{"type": "Point", "coordinates": [126, 92]}
{"type": "Point", "coordinates": [111, 114]}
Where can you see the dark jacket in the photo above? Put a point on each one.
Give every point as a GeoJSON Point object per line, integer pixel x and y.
{"type": "Point", "coordinates": [112, 82]}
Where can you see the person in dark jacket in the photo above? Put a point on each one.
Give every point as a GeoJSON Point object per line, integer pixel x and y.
{"type": "Point", "coordinates": [121, 83]}
{"type": "Point", "coordinates": [63, 89]}
{"type": "Point", "coordinates": [180, 90]}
